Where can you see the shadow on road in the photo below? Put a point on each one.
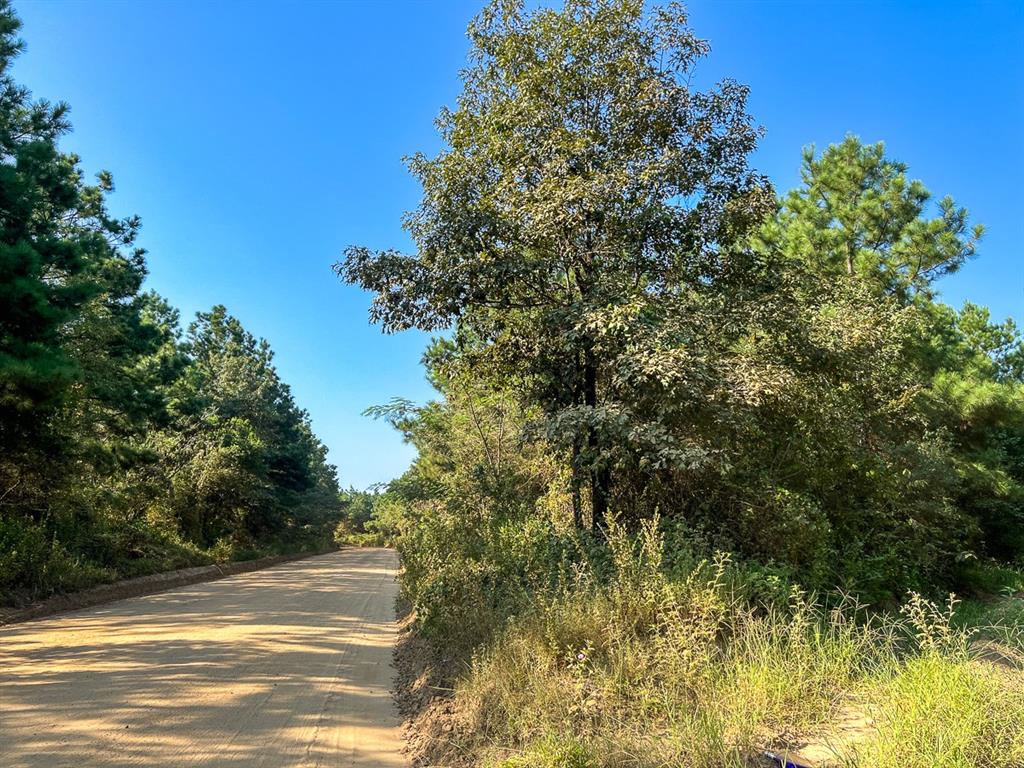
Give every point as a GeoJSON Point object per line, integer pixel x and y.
{"type": "Point", "coordinates": [287, 666]}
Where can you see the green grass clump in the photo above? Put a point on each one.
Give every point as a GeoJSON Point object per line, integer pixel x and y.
{"type": "Point", "coordinates": [943, 712]}
{"type": "Point", "coordinates": [551, 752]}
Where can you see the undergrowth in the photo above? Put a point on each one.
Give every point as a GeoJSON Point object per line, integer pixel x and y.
{"type": "Point", "coordinates": [640, 669]}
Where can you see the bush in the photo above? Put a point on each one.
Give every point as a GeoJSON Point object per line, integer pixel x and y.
{"type": "Point", "coordinates": [465, 582]}
{"type": "Point", "coordinates": [24, 553]}
{"type": "Point", "coordinates": [64, 554]}
{"type": "Point", "coordinates": [33, 564]}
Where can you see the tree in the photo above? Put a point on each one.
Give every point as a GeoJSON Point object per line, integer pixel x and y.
{"type": "Point", "coordinates": [71, 330]}
{"type": "Point", "coordinates": [976, 397]}
{"type": "Point", "coordinates": [113, 432]}
{"type": "Point", "coordinates": [581, 173]}
{"type": "Point", "coordinates": [858, 218]}
{"type": "Point", "coordinates": [58, 248]}
{"type": "Point", "coordinates": [243, 462]}
{"type": "Point", "coordinates": [856, 214]}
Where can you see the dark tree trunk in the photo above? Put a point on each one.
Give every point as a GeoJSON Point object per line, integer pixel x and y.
{"type": "Point", "coordinates": [600, 478]}
{"type": "Point", "coordinates": [577, 480]}
{"type": "Point", "coordinates": [577, 502]}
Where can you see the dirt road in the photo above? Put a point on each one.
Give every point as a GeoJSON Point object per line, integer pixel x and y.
{"type": "Point", "coordinates": [288, 666]}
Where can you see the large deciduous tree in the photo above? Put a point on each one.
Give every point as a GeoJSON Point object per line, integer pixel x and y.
{"type": "Point", "coordinates": [581, 172]}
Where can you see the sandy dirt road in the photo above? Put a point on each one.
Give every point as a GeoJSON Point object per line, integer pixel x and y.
{"type": "Point", "coordinates": [288, 666]}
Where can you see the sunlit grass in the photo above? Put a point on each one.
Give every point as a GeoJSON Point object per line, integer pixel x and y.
{"type": "Point", "coordinates": [943, 712]}
{"type": "Point", "coordinates": [645, 672]}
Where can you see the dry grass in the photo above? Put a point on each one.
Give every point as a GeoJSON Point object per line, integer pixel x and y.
{"type": "Point", "coordinates": [644, 672]}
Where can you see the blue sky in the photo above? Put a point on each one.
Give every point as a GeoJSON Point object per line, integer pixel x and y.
{"type": "Point", "coordinates": [256, 140]}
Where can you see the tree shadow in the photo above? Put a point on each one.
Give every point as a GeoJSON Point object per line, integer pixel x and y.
{"type": "Point", "coordinates": [285, 666]}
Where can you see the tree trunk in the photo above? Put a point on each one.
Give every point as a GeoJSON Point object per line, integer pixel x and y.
{"type": "Point", "coordinates": [576, 482]}
{"type": "Point", "coordinates": [600, 478]}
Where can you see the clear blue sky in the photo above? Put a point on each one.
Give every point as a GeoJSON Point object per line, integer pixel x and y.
{"type": "Point", "coordinates": [256, 140]}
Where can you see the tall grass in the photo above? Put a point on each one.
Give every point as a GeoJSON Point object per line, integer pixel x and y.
{"type": "Point", "coordinates": [645, 671]}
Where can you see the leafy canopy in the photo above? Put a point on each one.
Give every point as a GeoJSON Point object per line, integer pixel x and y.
{"type": "Point", "coordinates": [580, 172]}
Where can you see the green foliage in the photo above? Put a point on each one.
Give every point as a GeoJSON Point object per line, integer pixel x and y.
{"type": "Point", "coordinates": [976, 396]}
{"type": "Point", "coordinates": [939, 712]}
{"type": "Point", "coordinates": [858, 219]}
{"type": "Point", "coordinates": [780, 379]}
{"type": "Point", "coordinates": [644, 670]}
{"type": "Point", "coordinates": [856, 214]}
{"type": "Point", "coordinates": [632, 311]}
{"type": "Point", "coordinates": [359, 508]}
{"type": "Point", "coordinates": [581, 176]}
{"type": "Point", "coordinates": [241, 459]}
{"type": "Point", "coordinates": [371, 518]}
{"type": "Point", "coordinates": [552, 752]}
{"type": "Point", "coordinates": [52, 229]}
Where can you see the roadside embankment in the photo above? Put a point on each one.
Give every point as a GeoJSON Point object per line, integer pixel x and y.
{"type": "Point", "coordinates": [142, 585]}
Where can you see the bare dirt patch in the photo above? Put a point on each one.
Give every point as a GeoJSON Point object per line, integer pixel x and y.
{"type": "Point", "coordinates": [435, 735]}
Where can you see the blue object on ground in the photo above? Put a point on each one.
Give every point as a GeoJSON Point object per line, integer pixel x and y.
{"type": "Point", "coordinates": [783, 761]}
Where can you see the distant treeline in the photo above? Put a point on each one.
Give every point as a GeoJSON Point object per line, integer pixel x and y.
{"type": "Point", "coordinates": [127, 445]}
